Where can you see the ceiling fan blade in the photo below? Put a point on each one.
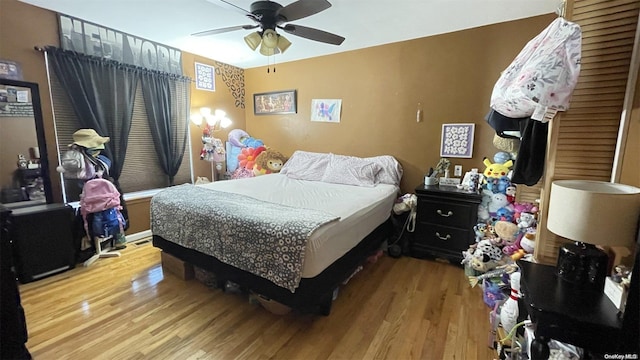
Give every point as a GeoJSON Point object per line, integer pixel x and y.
{"type": "Point", "coordinates": [313, 34]}
{"type": "Point", "coordinates": [230, 6]}
{"type": "Point", "coordinates": [303, 8]}
{"type": "Point", "coordinates": [224, 30]}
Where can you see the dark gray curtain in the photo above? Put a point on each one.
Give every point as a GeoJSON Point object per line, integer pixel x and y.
{"type": "Point", "coordinates": [102, 94]}
{"type": "Point", "coordinates": [166, 98]}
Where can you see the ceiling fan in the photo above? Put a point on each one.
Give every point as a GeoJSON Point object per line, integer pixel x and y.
{"type": "Point", "coordinates": [269, 15]}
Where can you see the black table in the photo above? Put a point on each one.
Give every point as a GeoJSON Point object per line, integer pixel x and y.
{"type": "Point", "coordinates": [585, 319]}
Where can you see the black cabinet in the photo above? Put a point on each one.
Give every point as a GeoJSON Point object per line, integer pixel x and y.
{"type": "Point", "coordinates": [444, 222]}
{"type": "Point", "coordinates": [42, 238]}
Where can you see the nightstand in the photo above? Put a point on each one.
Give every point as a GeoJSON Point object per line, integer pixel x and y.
{"type": "Point", "coordinates": [444, 222]}
{"type": "Point", "coordinates": [585, 319]}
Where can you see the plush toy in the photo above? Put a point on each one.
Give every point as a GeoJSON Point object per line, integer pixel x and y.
{"type": "Point", "coordinates": [240, 138]}
{"type": "Point", "coordinates": [521, 207]}
{"type": "Point", "coordinates": [498, 201]}
{"type": "Point", "coordinates": [269, 161]}
{"type": "Point", "coordinates": [235, 137]}
{"type": "Point", "coordinates": [506, 231]}
{"type": "Point", "coordinates": [526, 220]}
{"type": "Point", "coordinates": [495, 170]}
{"type": "Point", "coordinates": [501, 157]}
{"type": "Point", "coordinates": [511, 191]}
{"type": "Point", "coordinates": [484, 256]}
{"type": "Point", "coordinates": [528, 241]}
{"type": "Point", "coordinates": [252, 142]}
{"type": "Point", "coordinates": [504, 214]}
{"type": "Point", "coordinates": [483, 213]}
{"type": "Point", "coordinates": [498, 184]}
{"type": "Point", "coordinates": [247, 157]}
{"type": "Point", "coordinates": [480, 229]}
{"type": "Point", "coordinates": [208, 148]}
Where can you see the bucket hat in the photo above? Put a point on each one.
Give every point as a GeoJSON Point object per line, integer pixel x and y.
{"type": "Point", "coordinates": [89, 138]}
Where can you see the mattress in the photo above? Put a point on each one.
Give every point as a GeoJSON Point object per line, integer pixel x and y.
{"type": "Point", "coordinates": [360, 209]}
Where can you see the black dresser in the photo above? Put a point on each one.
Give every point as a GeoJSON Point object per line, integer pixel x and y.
{"type": "Point", "coordinates": [444, 222]}
{"type": "Point", "coordinates": [42, 238]}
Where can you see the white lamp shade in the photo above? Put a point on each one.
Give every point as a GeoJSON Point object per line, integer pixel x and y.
{"type": "Point", "coordinates": [225, 122]}
{"type": "Point", "coordinates": [594, 212]}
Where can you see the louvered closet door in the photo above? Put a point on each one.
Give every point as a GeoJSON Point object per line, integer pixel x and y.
{"type": "Point", "coordinates": [582, 141]}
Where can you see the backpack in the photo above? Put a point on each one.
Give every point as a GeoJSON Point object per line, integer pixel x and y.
{"type": "Point", "coordinates": [107, 223]}
{"type": "Point", "coordinates": [100, 195]}
{"type": "Point", "coordinates": [75, 164]}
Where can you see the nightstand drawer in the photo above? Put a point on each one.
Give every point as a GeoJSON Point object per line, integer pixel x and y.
{"type": "Point", "coordinates": [445, 213]}
{"type": "Point", "coordinates": [443, 237]}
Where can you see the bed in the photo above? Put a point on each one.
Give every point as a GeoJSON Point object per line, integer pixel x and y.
{"type": "Point", "coordinates": [292, 237]}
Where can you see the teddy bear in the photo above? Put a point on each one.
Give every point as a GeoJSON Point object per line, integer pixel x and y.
{"type": "Point", "coordinates": [269, 161]}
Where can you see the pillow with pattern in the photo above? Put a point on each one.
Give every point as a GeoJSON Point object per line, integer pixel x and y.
{"type": "Point", "coordinates": [391, 172]}
{"type": "Point", "coordinates": [304, 165]}
{"type": "Point", "coordinates": [350, 170]}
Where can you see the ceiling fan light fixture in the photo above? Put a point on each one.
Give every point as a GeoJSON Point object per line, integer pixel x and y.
{"type": "Point", "coordinates": [283, 43]}
{"type": "Point", "coordinates": [270, 39]}
{"type": "Point", "coordinates": [267, 51]}
{"type": "Point", "coordinates": [253, 40]}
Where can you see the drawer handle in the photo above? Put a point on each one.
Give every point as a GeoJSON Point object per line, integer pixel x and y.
{"type": "Point", "coordinates": [444, 215]}
{"type": "Point", "coordinates": [443, 237]}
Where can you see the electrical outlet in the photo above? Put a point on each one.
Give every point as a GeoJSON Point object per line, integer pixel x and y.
{"type": "Point", "coordinates": [457, 170]}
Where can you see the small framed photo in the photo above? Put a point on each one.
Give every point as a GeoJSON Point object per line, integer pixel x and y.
{"type": "Point", "coordinates": [205, 77]}
{"type": "Point", "coordinates": [275, 102]}
{"type": "Point", "coordinates": [457, 140]}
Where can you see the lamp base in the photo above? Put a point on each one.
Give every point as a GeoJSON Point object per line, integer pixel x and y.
{"type": "Point", "coordinates": [583, 265]}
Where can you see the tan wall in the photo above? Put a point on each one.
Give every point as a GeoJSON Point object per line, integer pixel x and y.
{"type": "Point", "coordinates": [223, 98]}
{"type": "Point", "coordinates": [451, 76]}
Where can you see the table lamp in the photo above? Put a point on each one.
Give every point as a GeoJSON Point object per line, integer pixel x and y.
{"type": "Point", "coordinates": [591, 213]}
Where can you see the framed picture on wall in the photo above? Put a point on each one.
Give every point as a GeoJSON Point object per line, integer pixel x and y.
{"type": "Point", "coordinates": [205, 77]}
{"type": "Point", "coordinates": [457, 140]}
{"type": "Point", "coordinates": [326, 110]}
{"type": "Point", "coordinates": [275, 102]}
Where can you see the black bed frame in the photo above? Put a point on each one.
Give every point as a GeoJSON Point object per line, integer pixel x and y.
{"type": "Point", "coordinates": [314, 295]}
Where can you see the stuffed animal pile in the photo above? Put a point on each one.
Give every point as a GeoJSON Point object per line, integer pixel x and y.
{"type": "Point", "coordinates": [506, 229]}
{"type": "Point", "coordinates": [253, 158]}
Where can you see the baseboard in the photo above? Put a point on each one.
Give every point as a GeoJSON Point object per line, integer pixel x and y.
{"type": "Point", "coordinates": [139, 236]}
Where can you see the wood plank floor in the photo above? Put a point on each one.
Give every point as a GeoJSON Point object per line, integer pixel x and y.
{"type": "Point", "coordinates": [128, 308]}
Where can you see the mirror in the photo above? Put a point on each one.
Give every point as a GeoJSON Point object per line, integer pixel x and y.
{"type": "Point", "coordinates": [24, 169]}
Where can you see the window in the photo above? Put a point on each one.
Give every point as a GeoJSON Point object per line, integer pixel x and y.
{"type": "Point", "coordinates": [141, 170]}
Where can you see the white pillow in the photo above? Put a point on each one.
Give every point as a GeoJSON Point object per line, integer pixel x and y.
{"type": "Point", "coordinates": [391, 172]}
{"type": "Point", "coordinates": [304, 165]}
{"type": "Point", "coordinates": [350, 170]}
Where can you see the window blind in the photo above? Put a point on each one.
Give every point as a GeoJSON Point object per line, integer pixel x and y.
{"type": "Point", "coordinates": [141, 170]}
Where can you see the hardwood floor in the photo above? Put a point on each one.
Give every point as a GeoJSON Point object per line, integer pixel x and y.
{"type": "Point", "coordinates": [128, 308]}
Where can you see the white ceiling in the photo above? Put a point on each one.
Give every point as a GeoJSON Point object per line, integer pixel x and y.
{"type": "Point", "coordinates": [364, 23]}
